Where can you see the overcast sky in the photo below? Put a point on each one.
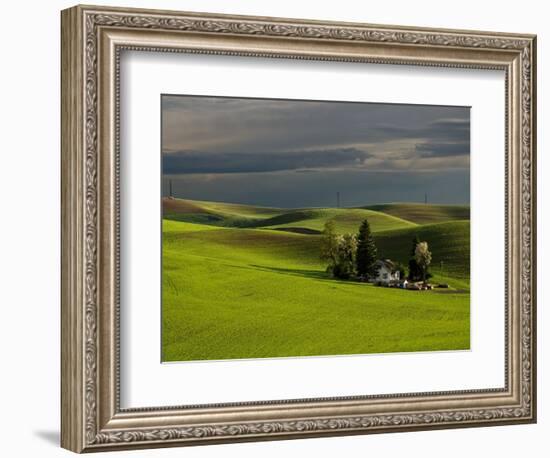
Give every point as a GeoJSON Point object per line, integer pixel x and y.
{"type": "Point", "coordinates": [290, 153]}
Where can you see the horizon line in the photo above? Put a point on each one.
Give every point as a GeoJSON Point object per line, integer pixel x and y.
{"type": "Point", "coordinates": [297, 208]}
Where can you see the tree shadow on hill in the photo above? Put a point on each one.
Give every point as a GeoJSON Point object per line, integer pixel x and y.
{"type": "Point", "coordinates": [316, 274]}
{"type": "Point", "coordinates": [306, 273]}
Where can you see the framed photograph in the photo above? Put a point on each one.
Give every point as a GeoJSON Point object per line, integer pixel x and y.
{"type": "Point", "coordinates": [278, 228]}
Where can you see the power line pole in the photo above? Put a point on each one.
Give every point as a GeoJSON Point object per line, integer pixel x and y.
{"type": "Point", "coordinates": [425, 198]}
{"type": "Point", "coordinates": [170, 183]}
{"type": "Point", "coordinates": [338, 199]}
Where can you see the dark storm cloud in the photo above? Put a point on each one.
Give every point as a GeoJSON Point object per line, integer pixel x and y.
{"type": "Point", "coordinates": [442, 149]}
{"type": "Point", "coordinates": [450, 125]}
{"type": "Point", "coordinates": [299, 153]}
{"type": "Point", "coordinates": [236, 162]}
{"type": "Point", "coordinates": [451, 130]}
{"type": "Point", "coordinates": [213, 125]}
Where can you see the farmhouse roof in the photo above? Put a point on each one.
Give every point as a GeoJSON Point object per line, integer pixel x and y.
{"type": "Point", "coordinates": [387, 263]}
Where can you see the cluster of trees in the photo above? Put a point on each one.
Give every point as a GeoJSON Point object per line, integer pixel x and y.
{"type": "Point", "coordinates": [349, 255]}
{"type": "Point", "coordinates": [355, 255]}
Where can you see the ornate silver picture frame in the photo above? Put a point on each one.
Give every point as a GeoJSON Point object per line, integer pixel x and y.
{"type": "Point", "coordinates": [93, 39]}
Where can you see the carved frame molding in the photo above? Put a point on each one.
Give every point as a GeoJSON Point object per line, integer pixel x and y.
{"type": "Point", "coordinates": [92, 39]}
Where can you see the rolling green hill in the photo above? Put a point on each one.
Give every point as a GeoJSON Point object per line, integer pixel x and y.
{"type": "Point", "coordinates": [345, 219]}
{"type": "Point", "coordinates": [240, 210]}
{"type": "Point", "coordinates": [239, 282]}
{"type": "Point", "coordinates": [244, 245]}
{"type": "Point", "coordinates": [309, 220]}
{"type": "Point", "coordinates": [424, 213]}
{"type": "Point", "coordinates": [214, 213]}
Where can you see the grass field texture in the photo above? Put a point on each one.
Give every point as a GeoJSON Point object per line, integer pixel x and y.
{"type": "Point", "coordinates": [242, 281]}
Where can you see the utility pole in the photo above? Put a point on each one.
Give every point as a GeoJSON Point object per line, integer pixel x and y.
{"type": "Point", "coordinates": [425, 198]}
{"type": "Point", "coordinates": [170, 184]}
{"type": "Point", "coordinates": [338, 199]}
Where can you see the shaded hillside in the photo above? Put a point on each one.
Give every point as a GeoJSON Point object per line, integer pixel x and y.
{"type": "Point", "coordinates": [424, 213]}
{"type": "Point", "coordinates": [448, 242]}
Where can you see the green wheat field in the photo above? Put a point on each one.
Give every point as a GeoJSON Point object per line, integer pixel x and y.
{"type": "Point", "coordinates": [241, 281]}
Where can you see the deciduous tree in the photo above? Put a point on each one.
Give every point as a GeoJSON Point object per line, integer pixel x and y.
{"type": "Point", "coordinates": [329, 244]}
{"type": "Point", "coordinates": [423, 258]}
{"type": "Point", "coordinates": [347, 250]}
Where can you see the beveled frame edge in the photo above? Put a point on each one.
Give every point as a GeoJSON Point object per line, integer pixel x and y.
{"type": "Point", "coordinates": [91, 418]}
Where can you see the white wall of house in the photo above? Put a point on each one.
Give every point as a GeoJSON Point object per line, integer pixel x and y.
{"type": "Point", "coordinates": [385, 275]}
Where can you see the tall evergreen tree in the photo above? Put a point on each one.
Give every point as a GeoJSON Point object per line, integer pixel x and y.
{"type": "Point", "coordinates": [367, 253]}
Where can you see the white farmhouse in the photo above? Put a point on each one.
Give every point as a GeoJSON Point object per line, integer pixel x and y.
{"type": "Point", "coordinates": [387, 272]}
